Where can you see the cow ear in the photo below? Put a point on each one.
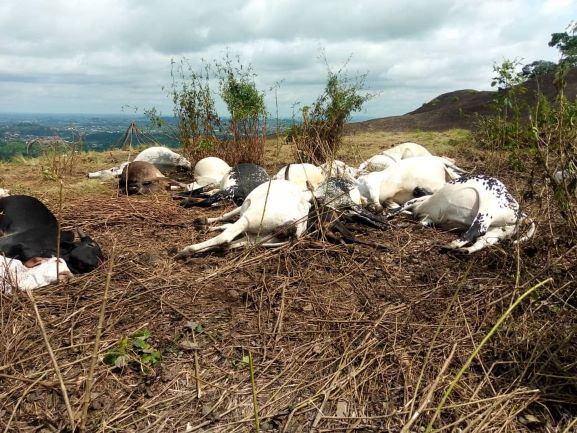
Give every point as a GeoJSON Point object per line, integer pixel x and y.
{"type": "Point", "coordinates": [66, 236]}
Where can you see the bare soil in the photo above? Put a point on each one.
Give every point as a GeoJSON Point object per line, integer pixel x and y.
{"type": "Point", "coordinates": [342, 337]}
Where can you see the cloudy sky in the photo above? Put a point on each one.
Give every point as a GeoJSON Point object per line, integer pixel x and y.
{"type": "Point", "coordinates": [101, 56]}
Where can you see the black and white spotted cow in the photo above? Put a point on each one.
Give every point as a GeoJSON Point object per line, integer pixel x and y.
{"type": "Point", "coordinates": [343, 196]}
{"type": "Point", "coordinates": [235, 185]}
{"type": "Point", "coordinates": [480, 206]}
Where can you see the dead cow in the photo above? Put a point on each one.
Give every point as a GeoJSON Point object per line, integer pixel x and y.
{"type": "Point", "coordinates": [29, 235]}
{"type": "Point", "coordinates": [235, 186]}
{"type": "Point", "coordinates": [15, 275]}
{"type": "Point", "coordinates": [141, 177]}
{"type": "Point", "coordinates": [162, 157]}
{"type": "Point", "coordinates": [397, 184]}
{"type": "Point", "coordinates": [479, 205]}
{"type": "Point", "coordinates": [270, 214]}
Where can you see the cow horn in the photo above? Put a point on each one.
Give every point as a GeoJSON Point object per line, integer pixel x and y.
{"type": "Point", "coordinates": [81, 233]}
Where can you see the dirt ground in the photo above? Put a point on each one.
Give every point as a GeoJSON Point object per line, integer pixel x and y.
{"type": "Point", "coordinates": [340, 337]}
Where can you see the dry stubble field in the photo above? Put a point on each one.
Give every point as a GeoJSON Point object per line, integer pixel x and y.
{"type": "Point", "coordinates": [342, 337]}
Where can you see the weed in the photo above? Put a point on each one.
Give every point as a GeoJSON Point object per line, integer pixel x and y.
{"type": "Point", "coordinates": [135, 350]}
{"type": "Point", "coordinates": [58, 157]}
{"type": "Point", "coordinates": [318, 138]}
{"type": "Point", "coordinates": [202, 133]}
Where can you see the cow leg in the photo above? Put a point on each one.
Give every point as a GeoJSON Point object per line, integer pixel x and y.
{"type": "Point", "coordinates": [221, 227]}
{"type": "Point", "coordinates": [225, 217]}
{"type": "Point", "coordinates": [427, 222]}
{"type": "Point", "coordinates": [409, 206]}
{"type": "Point", "coordinates": [530, 231]}
{"type": "Point", "coordinates": [478, 229]}
{"type": "Point", "coordinates": [258, 240]}
{"type": "Point", "coordinates": [491, 237]}
{"type": "Point", "coordinates": [363, 216]}
{"type": "Point", "coordinates": [226, 237]}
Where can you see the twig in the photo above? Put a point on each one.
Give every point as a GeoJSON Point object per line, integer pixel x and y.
{"type": "Point", "coordinates": [254, 399]}
{"type": "Point", "coordinates": [432, 389]}
{"type": "Point", "coordinates": [89, 378]}
{"type": "Point", "coordinates": [196, 368]}
{"type": "Point", "coordinates": [54, 362]}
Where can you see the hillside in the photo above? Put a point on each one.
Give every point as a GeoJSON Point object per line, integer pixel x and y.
{"type": "Point", "coordinates": [342, 337]}
{"type": "Point", "coordinates": [457, 109]}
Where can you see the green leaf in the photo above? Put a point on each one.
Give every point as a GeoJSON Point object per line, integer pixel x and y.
{"type": "Point", "coordinates": [121, 361]}
{"type": "Point", "coordinates": [140, 343]}
{"type": "Point", "coordinates": [110, 358]}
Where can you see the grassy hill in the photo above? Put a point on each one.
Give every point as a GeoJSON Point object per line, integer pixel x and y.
{"type": "Point", "coordinates": [458, 109]}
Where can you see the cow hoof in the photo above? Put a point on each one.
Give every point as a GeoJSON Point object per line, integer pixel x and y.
{"type": "Point", "coordinates": [183, 254]}
{"type": "Point", "coordinates": [449, 249]}
{"type": "Point", "coordinates": [460, 251]}
{"type": "Point", "coordinates": [200, 221]}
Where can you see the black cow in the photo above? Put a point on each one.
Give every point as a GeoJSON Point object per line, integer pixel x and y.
{"type": "Point", "coordinates": [235, 186]}
{"type": "Point", "coordinates": [28, 231]}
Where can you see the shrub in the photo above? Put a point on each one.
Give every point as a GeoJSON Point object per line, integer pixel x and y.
{"type": "Point", "coordinates": [247, 126]}
{"type": "Point", "coordinates": [202, 131]}
{"type": "Point", "coordinates": [319, 136]}
{"type": "Point", "coordinates": [194, 107]}
{"type": "Point", "coordinates": [555, 140]}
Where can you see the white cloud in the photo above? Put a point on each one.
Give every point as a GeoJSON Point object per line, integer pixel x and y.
{"type": "Point", "coordinates": [96, 56]}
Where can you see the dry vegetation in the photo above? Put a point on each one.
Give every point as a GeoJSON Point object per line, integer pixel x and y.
{"type": "Point", "coordinates": [342, 338]}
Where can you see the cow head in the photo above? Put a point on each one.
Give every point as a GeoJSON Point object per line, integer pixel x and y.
{"type": "Point", "coordinates": [81, 256]}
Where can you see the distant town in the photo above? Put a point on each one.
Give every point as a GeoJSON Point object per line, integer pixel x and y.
{"type": "Point", "coordinates": [24, 134]}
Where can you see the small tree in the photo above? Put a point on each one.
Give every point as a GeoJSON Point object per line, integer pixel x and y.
{"type": "Point", "coordinates": [319, 136]}
{"type": "Point", "coordinates": [504, 129]}
{"type": "Point", "coordinates": [247, 127]}
{"type": "Point", "coordinates": [194, 107]}
{"type": "Point", "coordinates": [538, 68]}
{"type": "Point", "coordinates": [566, 43]}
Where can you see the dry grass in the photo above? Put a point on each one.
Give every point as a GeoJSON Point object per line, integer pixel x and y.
{"type": "Point", "coordinates": [343, 338]}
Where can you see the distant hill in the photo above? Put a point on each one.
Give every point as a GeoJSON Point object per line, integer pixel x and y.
{"type": "Point", "coordinates": [457, 109]}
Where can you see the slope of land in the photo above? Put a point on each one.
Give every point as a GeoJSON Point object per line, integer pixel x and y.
{"type": "Point", "coordinates": [342, 337]}
{"type": "Point", "coordinates": [458, 109]}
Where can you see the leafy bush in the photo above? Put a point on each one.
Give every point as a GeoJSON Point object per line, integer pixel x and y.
{"type": "Point", "coordinates": [194, 107]}
{"type": "Point", "coordinates": [504, 129]}
{"type": "Point", "coordinates": [541, 138]}
{"type": "Point", "coordinates": [319, 136]}
{"type": "Point", "coordinates": [202, 132]}
{"type": "Point", "coordinates": [247, 127]}
{"type": "Point", "coordinates": [555, 139]}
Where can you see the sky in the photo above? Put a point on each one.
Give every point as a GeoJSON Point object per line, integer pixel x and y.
{"type": "Point", "coordinates": [114, 56]}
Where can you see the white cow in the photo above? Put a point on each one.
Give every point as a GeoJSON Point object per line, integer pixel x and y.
{"type": "Point", "coordinates": [272, 206]}
{"type": "Point", "coordinates": [301, 173]}
{"type": "Point", "coordinates": [480, 206]}
{"type": "Point", "coordinates": [208, 171]}
{"type": "Point", "coordinates": [406, 150]}
{"type": "Point", "coordinates": [397, 184]}
{"type": "Point", "coordinates": [378, 162]}
{"type": "Point", "coordinates": [14, 275]}
{"type": "Point", "coordinates": [162, 157]}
